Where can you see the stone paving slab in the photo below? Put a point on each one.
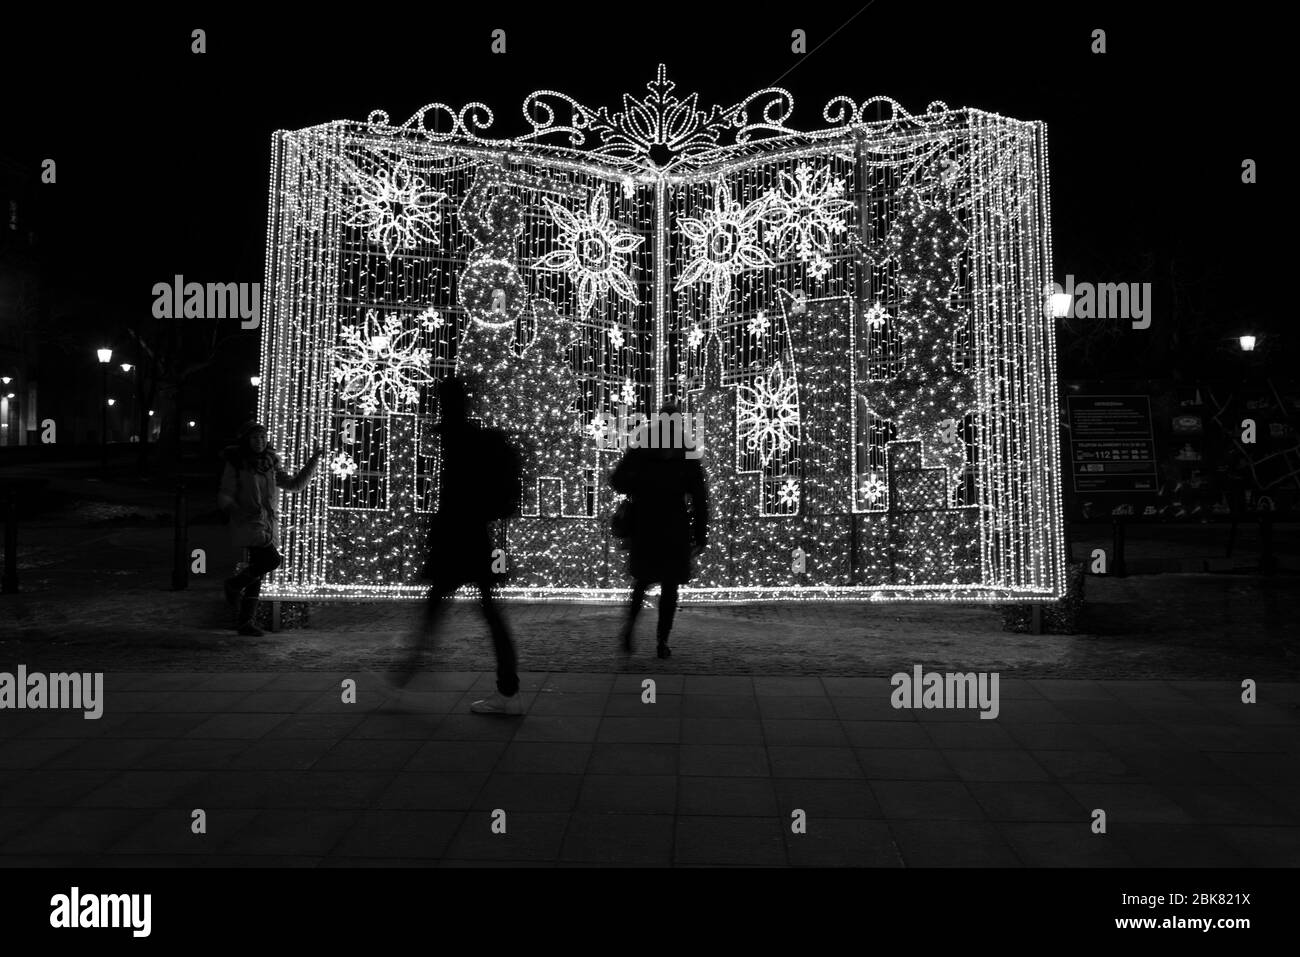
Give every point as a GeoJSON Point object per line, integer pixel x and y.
{"type": "Point", "coordinates": [722, 770]}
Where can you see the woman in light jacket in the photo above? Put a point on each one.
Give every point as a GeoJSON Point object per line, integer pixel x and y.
{"type": "Point", "coordinates": [250, 492]}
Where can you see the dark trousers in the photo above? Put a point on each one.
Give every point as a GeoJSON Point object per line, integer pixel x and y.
{"type": "Point", "coordinates": [507, 677]}
{"type": "Point", "coordinates": [262, 560]}
{"type": "Point", "coordinates": [667, 607]}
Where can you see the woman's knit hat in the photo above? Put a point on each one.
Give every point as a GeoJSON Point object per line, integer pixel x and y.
{"type": "Point", "coordinates": [248, 428]}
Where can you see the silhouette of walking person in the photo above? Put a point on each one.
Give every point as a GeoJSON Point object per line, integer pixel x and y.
{"type": "Point", "coordinates": [478, 483]}
{"type": "Point", "coordinates": [250, 492]}
{"type": "Point", "coordinates": [663, 533]}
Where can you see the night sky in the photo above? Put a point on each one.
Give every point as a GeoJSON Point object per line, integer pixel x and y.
{"type": "Point", "coordinates": [163, 155]}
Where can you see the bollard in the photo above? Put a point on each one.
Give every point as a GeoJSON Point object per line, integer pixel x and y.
{"type": "Point", "coordinates": [9, 585]}
{"type": "Point", "coordinates": [180, 546]}
{"type": "Point", "coordinates": [1117, 569]}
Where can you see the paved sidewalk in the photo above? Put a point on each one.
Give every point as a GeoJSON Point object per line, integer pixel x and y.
{"type": "Point", "coordinates": [1167, 626]}
{"type": "Point", "coordinates": [709, 774]}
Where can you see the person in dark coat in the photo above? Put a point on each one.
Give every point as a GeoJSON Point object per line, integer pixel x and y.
{"type": "Point", "coordinates": [250, 492]}
{"type": "Point", "coordinates": [478, 484]}
{"type": "Point", "coordinates": [664, 533]}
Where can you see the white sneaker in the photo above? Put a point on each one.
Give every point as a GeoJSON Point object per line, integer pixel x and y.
{"type": "Point", "coordinates": [498, 704]}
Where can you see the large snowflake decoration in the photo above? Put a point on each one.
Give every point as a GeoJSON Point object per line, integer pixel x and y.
{"type": "Point", "coordinates": [431, 319]}
{"type": "Point", "coordinates": [805, 212]}
{"type": "Point", "coordinates": [593, 252]}
{"type": "Point", "coordinates": [378, 365]}
{"type": "Point", "coordinates": [767, 413]}
{"type": "Point", "coordinates": [758, 324]}
{"type": "Point", "coordinates": [725, 244]}
{"type": "Point", "coordinates": [788, 495]}
{"type": "Point", "coordinates": [695, 337]}
{"type": "Point", "coordinates": [396, 208]}
{"type": "Point", "coordinates": [616, 337]}
{"type": "Point", "coordinates": [877, 315]}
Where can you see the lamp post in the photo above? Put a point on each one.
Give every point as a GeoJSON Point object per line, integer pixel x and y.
{"type": "Point", "coordinates": [105, 357]}
{"type": "Point", "coordinates": [6, 408]}
{"type": "Point", "coordinates": [127, 368]}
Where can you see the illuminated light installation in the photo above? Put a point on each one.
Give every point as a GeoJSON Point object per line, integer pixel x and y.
{"type": "Point", "coordinates": [856, 313]}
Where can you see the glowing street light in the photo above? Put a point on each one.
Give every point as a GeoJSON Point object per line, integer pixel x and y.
{"type": "Point", "coordinates": [1247, 343]}
{"type": "Point", "coordinates": [105, 357]}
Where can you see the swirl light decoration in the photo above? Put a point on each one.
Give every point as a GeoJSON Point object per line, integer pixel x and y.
{"type": "Point", "coordinates": [857, 312]}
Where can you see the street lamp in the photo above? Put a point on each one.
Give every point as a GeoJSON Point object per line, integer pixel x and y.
{"type": "Point", "coordinates": [1247, 343]}
{"type": "Point", "coordinates": [127, 368]}
{"type": "Point", "coordinates": [255, 380]}
{"type": "Point", "coordinates": [105, 357]}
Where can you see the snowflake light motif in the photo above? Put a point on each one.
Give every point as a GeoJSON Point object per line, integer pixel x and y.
{"type": "Point", "coordinates": [725, 244]}
{"type": "Point", "coordinates": [695, 337]}
{"type": "Point", "coordinates": [432, 319]}
{"type": "Point", "coordinates": [592, 252]}
{"type": "Point", "coordinates": [819, 268]}
{"type": "Point", "coordinates": [758, 325]}
{"type": "Point", "coordinates": [616, 337]}
{"type": "Point", "coordinates": [378, 365]}
{"type": "Point", "coordinates": [343, 466]}
{"type": "Point", "coordinates": [876, 316]}
{"type": "Point", "coordinates": [788, 496]}
{"type": "Point", "coordinates": [767, 413]}
{"type": "Point", "coordinates": [396, 208]}
{"type": "Point", "coordinates": [627, 395]}
{"type": "Point", "coordinates": [873, 488]}
{"type": "Point", "coordinates": [598, 429]}
{"type": "Point", "coordinates": [805, 212]}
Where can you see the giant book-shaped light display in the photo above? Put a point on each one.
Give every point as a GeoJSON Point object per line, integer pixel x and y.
{"type": "Point", "coordinates": [857, 316]}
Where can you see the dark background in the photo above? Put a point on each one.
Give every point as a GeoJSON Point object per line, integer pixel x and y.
{"type": "Point", "coordinates": [163, 155]}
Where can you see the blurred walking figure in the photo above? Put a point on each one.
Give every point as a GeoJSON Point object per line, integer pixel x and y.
{"type": "Point", "coordinates": [662, 533]}
{"type": "Point", "coordinates": [479, 482]}
{"type": "Point", "coordinates": [250, 492]}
